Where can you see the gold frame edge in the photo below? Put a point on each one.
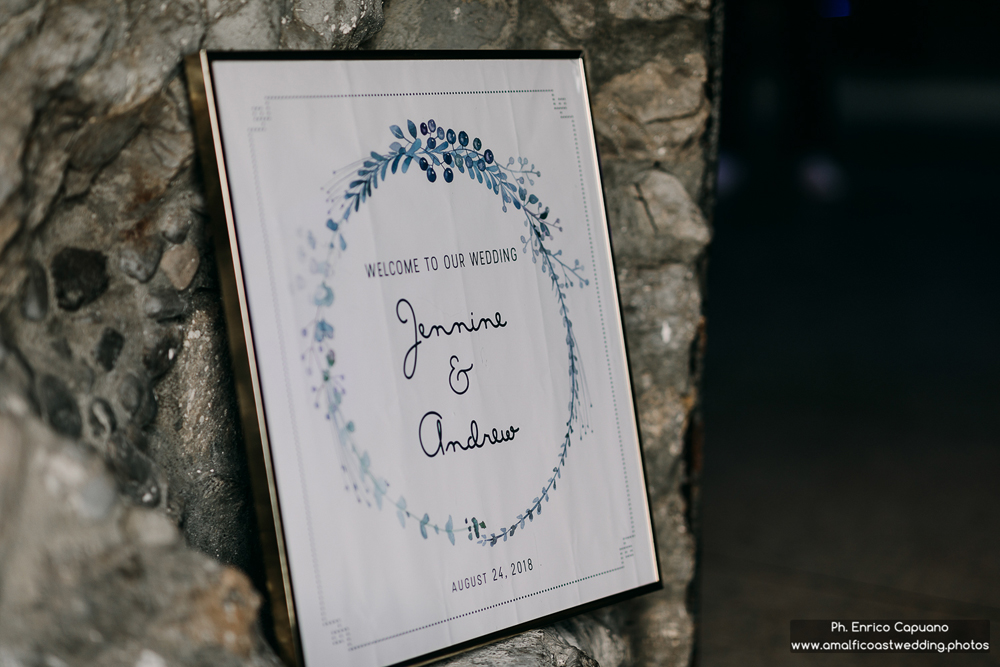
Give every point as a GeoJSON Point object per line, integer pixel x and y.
{"type": "Point", "coordinates": [237, 319]}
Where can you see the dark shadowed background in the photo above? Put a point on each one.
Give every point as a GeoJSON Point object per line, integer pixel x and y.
{"type": "Point", "coordinates": [852, 467]}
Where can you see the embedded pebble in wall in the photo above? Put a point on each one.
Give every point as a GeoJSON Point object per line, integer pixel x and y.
{"type": "Point", "coordinates": [62, 348]}
{"type": "Point", "coordinates": [163, 304]}
{"type": "Point", "coordinates": [174, 218]}
{"type": "Point", "coordinates": [60, 406]}
{"type": "Point", "coordinates": [161, 357]}
{"type": "Point", "coordinates": [130, 393]}
{"type": "Point", "coordinates": [140, 256]}
{"type": "Point", "coordinates": [138, 399]}
{"type": "Point", "coordinates": [80, 277]}
{"type": "Point", "coordinates": [102, 418]}
{"type": "Point", "coordinates": [108, 348]}
{"type": "Point", "coordinates": [180, 264]}
{"type": "Point", "coordinates": [35, 293]}
{"type": "Point", "coordinates": [134, 471]}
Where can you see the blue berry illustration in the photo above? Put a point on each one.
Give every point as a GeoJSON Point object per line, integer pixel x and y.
{"type": "Point", "coordinates": [440, 133]}
{"type": "Point", "coordinates": [451, 136]}
{"type": "Point", "coordinates": [447, 158]}
{"type": "Point", "coordinates": [423, 128]}
{"type": "Point", "coordinates": [488, 156]}
{"type": "Point", "coordinates": [431, 125]}
{"type": "Point", "coordinates": [477, 144]}
{"type": "Point", "coordinates": [481, 164]}
{"type": "Point", "coordinates": [431, 143]}
{"type": "Point", "coordinates": [468, 161]}
{"type": "Point", "coordinates": [431, 175]}
{"type": "Point", "coordinates": [449, 175]}
{"type": "Point", "coordinates": [423, 163]}
{"type": "Point", "coordinates": [463, 138]}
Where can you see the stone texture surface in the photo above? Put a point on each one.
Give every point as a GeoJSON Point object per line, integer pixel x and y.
{"type": "Point", "coordinates": [89, 580]}
{"type": "Point", "coordinates": [125, 546]}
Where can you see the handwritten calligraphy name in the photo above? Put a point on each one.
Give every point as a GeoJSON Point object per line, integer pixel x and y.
{"type": "Point", "coordinates": [405, 314]}
{"type": "Point", "coordinates": [434, 430]}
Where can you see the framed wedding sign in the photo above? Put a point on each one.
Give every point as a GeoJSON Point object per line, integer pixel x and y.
{"type": "Point", "coordinates": [428, 347]}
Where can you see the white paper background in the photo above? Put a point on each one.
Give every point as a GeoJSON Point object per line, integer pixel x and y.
{"type": "Point", "coordinates": [370, 590]}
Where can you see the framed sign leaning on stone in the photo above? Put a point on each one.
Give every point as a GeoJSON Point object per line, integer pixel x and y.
{"type": "Point", "coordinates": [429, 353]}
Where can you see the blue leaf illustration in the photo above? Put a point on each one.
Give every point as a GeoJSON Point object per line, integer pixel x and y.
{"type": "Point", "coordinates": [396, 132]}
{"type": "Point", "coordinates": [423, 525]}
{"type": "Point", "coordinates": [332, 225]}
{"type": "Point", "coordinates": [323, 295]}
{"type": "Point", "coordinates": [401, 512]}
{"type": "Point", "coordinates": [323, 330]}
{"type": "Point", "coordinates": [448, 528]}
{"type": "Point", "coordinates": [412, 128]}
{"type": "Point", "coordinates": [343, 243]}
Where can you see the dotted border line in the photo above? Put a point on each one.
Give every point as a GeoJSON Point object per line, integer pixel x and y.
{"type": "Point", "coordinates": [492, 606]}
{"type": "Point", "coordinates": [418, 94]}
{"type": "Point", "coordinates": [604, 330]}
{"type": "Point", "coordinates": [262, 120]}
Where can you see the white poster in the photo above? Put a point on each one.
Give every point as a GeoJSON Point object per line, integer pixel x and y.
{"type": "Point", "coordinates": [435, 320]}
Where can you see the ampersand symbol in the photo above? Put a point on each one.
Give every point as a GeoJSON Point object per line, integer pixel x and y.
{"type": "Point", "coordinates": [457, 375]}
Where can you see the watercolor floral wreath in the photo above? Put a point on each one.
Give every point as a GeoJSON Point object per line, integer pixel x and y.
{"type": "Point", "coordinates": [432, 148]}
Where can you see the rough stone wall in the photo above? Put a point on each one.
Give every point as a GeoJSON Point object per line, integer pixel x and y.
{"type": "Point", "coordinates": [110, 331]}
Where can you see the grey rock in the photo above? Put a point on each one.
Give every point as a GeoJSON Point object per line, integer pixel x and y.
{"type": "Point", "coordinates": [656, 221]}
{"type": "Point", "coordinates": [101, 139]}
{"type": "Point", "coordinates": [135, 471]}
{"type": "Point", "coordinates": [102, 418]}
{"type": "Point", "coordinates": [161, 356]}
{"type": "Point", "coordinates": [108, 348]}
{"type": "Point", "coordinates": [326, 24]}
{"type": "Point", "coordinates": [176, 215]}
{"type": "Point", "coordinates": [17, 390]}
{"type": "Point", "coordinates": [577, 17]}
{"type": "Point", "coordinates": [62, 348]}
{"type": "Point", "coordinates": [138, 399]}
{"type": "Point", "coordinates": [535, 648]}
{"type": "Point", "coordinates": [210, 494]}
{"type": "Point", "coordinates": [131, 392]}
{"type": "Point", "coordinates": [659, 10]}
{"type": "Point", "coordinates": [60, 406]}
{"type": "Point", "coordinates": [654, 111]}
{"type": "Point", "coordinates": [180, 264]}
{"type": "Point", "coordinates": [163, 304]}
{"type": "Point", "coordinates": [35, 293]}
{"type": "Point", "coordinates": [598, 634]}
{"type": "Point", "coordinates": [80, 277]}
{"type": "Point", "coordinates": [254, 24]}
{"type": "Point", "coordinates": [140, 253]}
{"type": "Point", "coordinates": [448, 24]}
{"type": "Point", "coordinates": [89, 580]}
